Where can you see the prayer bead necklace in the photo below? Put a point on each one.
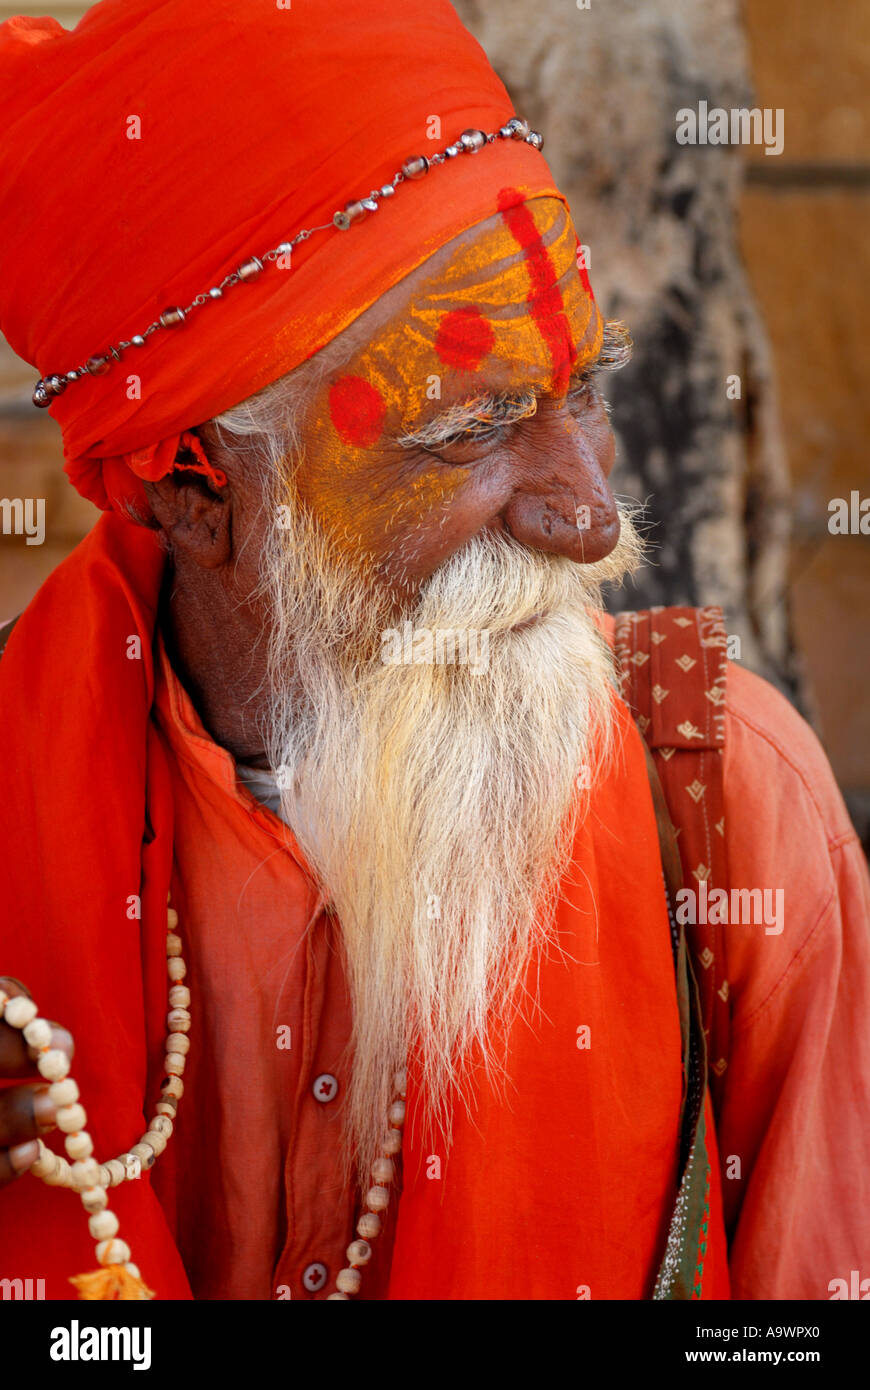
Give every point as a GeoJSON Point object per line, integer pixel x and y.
{"type": "Point", "coordinates": [118, 1277]}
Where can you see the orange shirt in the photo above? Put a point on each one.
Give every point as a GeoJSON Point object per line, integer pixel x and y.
{"type": "Point", "coordinates": [253, 1192]}
{"type": "Point", "coordinates": [260, 1209]}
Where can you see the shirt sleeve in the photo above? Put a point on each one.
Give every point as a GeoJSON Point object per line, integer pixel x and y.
{"type": "Point", "coordinates": [794, 1123]}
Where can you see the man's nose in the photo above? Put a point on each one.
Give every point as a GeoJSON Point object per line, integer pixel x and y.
{"type": "Point", "coordinates": [562, 502]}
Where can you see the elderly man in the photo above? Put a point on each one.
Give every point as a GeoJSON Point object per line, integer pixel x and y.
{"type": "Point", "coordinates": [330, 676]}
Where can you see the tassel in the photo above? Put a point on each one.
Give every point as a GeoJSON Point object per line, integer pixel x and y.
{"type": "Point", "coordinates": [111, 1282]}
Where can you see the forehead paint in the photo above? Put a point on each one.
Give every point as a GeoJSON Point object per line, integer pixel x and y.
{"type": "Point", "coordinates": [545, 300]}
{"type": "Point", "coordinates": [464, 338]}
{"type": "Point", "coordinates": [357, 409]}
{"type": "Point", "coordinates": [510, 302]}
{"type": "Point", "coordinates": [508, 308]}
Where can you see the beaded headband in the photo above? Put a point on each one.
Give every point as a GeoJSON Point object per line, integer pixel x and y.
{"type": "Point", "coordinates": [469, 142]}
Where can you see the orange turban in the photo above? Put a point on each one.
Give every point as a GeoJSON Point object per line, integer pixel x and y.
{"type": "Point", "coordinates": [159, 145]}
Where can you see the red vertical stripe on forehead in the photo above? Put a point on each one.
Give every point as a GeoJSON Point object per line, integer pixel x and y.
{"type": "Point", "coordinates": [545, 300]}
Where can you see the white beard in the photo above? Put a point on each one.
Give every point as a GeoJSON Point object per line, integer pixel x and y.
{"type": "Point", "coordinates": [435, 803]}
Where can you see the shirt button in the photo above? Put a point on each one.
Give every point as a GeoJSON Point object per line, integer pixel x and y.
{"type": "Point", "coordinates": [325, 1088]}
{"type": "Point", "coordinates": [315, 1277]}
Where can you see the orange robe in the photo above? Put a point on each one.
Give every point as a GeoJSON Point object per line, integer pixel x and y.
{"type": "Point", "coordinates": [560, 1188]}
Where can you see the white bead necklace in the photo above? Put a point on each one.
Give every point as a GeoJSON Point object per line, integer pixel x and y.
{"type": "Point", "coordinates": [118, 1277]}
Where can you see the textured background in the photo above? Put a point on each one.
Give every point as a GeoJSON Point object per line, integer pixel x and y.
{"type": "Point", "coordinates": [723, 261]}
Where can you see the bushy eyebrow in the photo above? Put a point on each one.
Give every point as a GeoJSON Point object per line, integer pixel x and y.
{"type": "Point", "coordinates": [491, 409]}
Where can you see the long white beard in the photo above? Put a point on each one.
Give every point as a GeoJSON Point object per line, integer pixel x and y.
{"type": "Point", "coordinates": [435, 802]}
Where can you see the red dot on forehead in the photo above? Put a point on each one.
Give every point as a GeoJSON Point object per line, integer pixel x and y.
{"type": "Point", "coordinates": [357, 409]}
{"type": "Point", "coordinates": [464, 338]}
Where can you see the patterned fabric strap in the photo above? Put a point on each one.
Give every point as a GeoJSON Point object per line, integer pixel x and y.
{"type": "Point", "coordinates": [672, 667]}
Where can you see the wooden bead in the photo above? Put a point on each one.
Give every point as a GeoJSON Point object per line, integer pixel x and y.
{"type": "Point", "coordinates": [161, 1124]}
{"type": "Point", "coordinates": [95, 1199]}
{"type": "Point", "coordinates": [359, 1252]}
{"type": "Point", "coordinates": [334, 1297]}
{"type": "Point", "coordinates": [116, 1170]}
{"type": "Point", "coordinates": [133, 1269]}
{"type": "Point", "coordinates": [179, 996]}
{"type": "Point", "coordinates": [155, 1140]}
{"type": "Point", "coordinates": [178, 1042]}
{"type": "Point", "coordinates": [71, 1118]}
{"type": "Point", "coordinates": [171, 919]}
{"type": "Point", "coordinates": [113, 1252]}
{"type": "Point", "coordinates": [167, 1106]}
{"type": "Point", "coordinates": [173, 944]}
{"type": "Point", "coordinates": [53, 1065]}
{"type": "Point", "coordinates": [173, 1086]}
{"type": "Point", "coordinates": [144, 1153]}
{"type": "Point", "coordinates": [176, 968]}
{"type": "Point", "coordinates": [178, 1021]}
{"type": "Point", "coordinates": [396, 1114]}
{"type": "Point", "coordinates": [103, 1225]}
{"type": "Point", "coordinates": [400, 1083]}
{"type": "Point", "coordinates": [348, 1281]}
{"type": "Point", "coordinates": [85, 1173]}
{"type": "Point", "coordinates": [64, 1092]}
{"type": "Point", "coordinates": [20, 1011]}
{"type": "Point", "coordinates": [173, 1064]}
{"type": "Point", "coordinates": [369, 1225]}
{"type": "Point", "coordinates": [392, 1142]}
{"type": "Point", "coordinates": [79, 1145]}
{"type": "Point", "coordinates": [383, 1170]}
{"type": "Point", "coordinates": [378, 1198]}
{"type": "Point", "coordinates": [37, 1033]}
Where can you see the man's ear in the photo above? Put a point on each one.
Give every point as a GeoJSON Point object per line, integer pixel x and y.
{"type": "Point", "coordinates": [194, 515]}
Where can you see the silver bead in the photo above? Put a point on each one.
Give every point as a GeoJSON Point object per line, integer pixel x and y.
{"type": "Point", "coordinates": [342, 221]}
{"type": "Point", "coordinates": [451, 152]}
{"type": "Point", "coordinates": [520, 128]}
{"type": "Point", "coordinates": [40, 396]}
{"type": "Point", "coordinates": [472, 140]}
{"type": "Point", "coordinates": [369, 204]}
{"type": "Point", "coordinates": [505, 132]}
{"type": "Point", "coordinates": [285, 248]}
{"type": "Point", "coordinates": [215, 293]}
{"type": "Point", "coordinates": [536, 139]}
{"type": "Point", "coordinates": [387, 190]}
{"type": "Point", "coordinates": [55, 384]}
{"type": "Point", "coordinates": [250, 270]}
{"type": "Point", "coordinates": [171, 318]}
{"type": "Point", "coordinates": [73, 376]}
{"type": "Point", "coordinates": [416, 167]}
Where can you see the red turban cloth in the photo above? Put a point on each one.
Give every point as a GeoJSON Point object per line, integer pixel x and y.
{"type": "Point", "coordinates": [156, 147]}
